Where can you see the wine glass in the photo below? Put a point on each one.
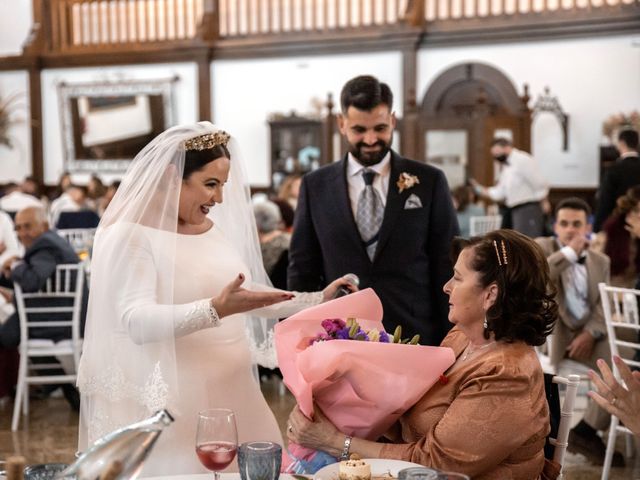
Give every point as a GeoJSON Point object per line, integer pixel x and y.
{"type": "Point", "coordinates": [216, 439]}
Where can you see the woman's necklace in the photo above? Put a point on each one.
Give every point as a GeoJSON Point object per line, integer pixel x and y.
{"type": "Point", "coordinates": [470, 351]}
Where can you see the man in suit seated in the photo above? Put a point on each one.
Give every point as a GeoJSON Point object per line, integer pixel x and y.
{"type": "Point", "coordinates": [385, 218]}
{"type": "Point", "coordinates": [44, 251]}
{"type": "Point", "coordinates": [580, 332]}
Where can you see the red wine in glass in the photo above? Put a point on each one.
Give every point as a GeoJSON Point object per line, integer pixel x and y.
{"type": "Point", "coordinates": [216, 455]}
{"type": "Point", "coordinates": [216, 439]}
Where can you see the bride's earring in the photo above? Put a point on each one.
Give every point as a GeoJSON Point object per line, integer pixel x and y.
{"type": "Point", "coordinates": [485, 324]}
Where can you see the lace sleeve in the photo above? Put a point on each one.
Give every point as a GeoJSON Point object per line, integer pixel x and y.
{"type": "Point", "coordinates": [299, 302]}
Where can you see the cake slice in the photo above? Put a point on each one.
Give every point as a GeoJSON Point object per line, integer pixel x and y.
{"type": "Point", "coordinates": [354, 469]}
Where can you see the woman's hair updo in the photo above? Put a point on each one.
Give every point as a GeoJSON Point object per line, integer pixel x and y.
{"type": "Point", "coordinates": [525, 308]}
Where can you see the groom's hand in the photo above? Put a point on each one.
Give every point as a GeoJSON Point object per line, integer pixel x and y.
{"type": "Point", "coordinates": [235, 299]}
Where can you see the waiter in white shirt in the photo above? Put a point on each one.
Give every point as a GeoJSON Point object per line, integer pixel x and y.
{"type": "Point", "coordinates": [520, 186]}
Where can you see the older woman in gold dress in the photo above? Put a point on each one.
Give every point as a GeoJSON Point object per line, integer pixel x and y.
{"type": "Point", "coordinates": [488, 416]}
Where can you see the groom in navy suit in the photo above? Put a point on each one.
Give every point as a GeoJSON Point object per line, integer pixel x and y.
{"type": "Point", "coordinates": [388, 219]}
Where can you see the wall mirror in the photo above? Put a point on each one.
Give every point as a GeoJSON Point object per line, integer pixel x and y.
{"type": "Point", "coordinates": [104, 125]}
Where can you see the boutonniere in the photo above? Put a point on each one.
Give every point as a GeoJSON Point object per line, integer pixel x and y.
{"type": "Point", "coordinates": [406, 181]}
{"type": "Point", "coordinates": [443, 379]}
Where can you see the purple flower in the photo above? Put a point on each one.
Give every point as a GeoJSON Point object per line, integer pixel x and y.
{"type": "Point", "coordinates": [332, 325]}
{"type": "Point", "coordinates": [343, 334]}
{"type": "Point", "coordinates": [361, 335]}
{"type": "Point", "coordinates": [384, 337]}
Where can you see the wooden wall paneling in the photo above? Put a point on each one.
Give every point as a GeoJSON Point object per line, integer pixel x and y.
{"type": "Point", "coordinates": [35, 106]}
{"type": "Point", "coordinates": [204, 88]}
{"type": "Point", "coordinates": [63, 29]}
{"type": "Point", "coordinates": [100, 18]}
{"type": "Point", "coordinates": [176, 18]}
{"type": "Point", "coordinates": [408, 133]}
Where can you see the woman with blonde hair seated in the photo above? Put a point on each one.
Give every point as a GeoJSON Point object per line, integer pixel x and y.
{"type": "Point", "coordinates": [488, 416]}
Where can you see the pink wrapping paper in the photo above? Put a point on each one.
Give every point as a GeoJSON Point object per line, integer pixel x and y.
{"type": "Point", "coordinates": [362, 387]}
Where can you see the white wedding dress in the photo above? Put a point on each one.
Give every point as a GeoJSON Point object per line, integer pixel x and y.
{"type": "Point", "coordinates": [214, 365]}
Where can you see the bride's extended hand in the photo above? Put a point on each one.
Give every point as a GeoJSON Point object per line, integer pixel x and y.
{"type": "Point", "coordinates": [330, 290]}
{"type": "Point", "coordinates": [235, 299]}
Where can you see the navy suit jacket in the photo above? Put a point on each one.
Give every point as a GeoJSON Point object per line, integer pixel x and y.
{"type": "Point", "coordinates": [412, 261]}
{"type": "Point", "coordinates": [39, 263]}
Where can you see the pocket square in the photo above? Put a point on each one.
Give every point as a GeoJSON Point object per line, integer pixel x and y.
{"type": "Point", "coordinates": [412, 202]}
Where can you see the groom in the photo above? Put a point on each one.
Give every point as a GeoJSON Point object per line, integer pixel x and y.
{"type": "Point", "coordinates": [388, 219]}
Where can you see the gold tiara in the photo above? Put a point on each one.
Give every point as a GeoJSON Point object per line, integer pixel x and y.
{"type": "Point", "coordinates": [207, 141]}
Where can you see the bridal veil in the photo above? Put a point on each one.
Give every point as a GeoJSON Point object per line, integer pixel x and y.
{"type": "Point", "coordinates": [125, 375]}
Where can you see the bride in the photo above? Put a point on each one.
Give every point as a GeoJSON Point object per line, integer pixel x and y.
{"type": "Point", "coordinates": [165, 325]}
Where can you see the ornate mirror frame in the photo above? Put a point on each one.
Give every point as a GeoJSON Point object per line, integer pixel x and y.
{"type": "Point", "coordinates": [105, 93]}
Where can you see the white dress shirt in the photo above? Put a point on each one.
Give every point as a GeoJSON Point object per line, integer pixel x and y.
{"type": "Point", "coordinates": [355, 181]}
{"type": "Point", "coordinates": [520, 181]}
{"type": "Point", "coordinates": [574, 281]}
{"type": "Point", "coordinates": [16, 201]}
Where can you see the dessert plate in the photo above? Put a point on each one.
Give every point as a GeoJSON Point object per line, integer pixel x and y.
{"type": "Point", "coordinates": [380, 467]}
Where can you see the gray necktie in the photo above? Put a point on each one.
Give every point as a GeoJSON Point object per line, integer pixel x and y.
{"type": "Point", "coordinates": [369, 213]}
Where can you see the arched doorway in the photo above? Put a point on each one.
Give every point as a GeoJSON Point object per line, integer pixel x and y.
{"type": "Point", "coordinates": [462, 111]}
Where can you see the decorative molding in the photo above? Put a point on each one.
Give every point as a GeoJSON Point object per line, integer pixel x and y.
{"type": "Point", "coordinates": [66, 92]}
{"type": "Point", "coordinates": [548, 103]}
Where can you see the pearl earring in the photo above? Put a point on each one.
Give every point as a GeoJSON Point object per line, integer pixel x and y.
{"type": "Point", "coordinates": [485, 324]}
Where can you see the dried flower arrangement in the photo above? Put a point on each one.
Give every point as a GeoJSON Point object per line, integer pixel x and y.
{"type": "Point", "coordinates": [8, 107]}
{"type": "Point", "coordinates": [620, 121]}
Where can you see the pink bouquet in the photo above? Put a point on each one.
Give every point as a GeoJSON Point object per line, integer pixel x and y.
{"type": "Point", "coordinates": [350, 380]}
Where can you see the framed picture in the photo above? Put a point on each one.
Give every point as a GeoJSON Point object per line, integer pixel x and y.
{"type": "Point", "coordinates": [104, 125]}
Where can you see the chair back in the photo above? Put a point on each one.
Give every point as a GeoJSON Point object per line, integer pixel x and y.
{"type": "Point", "coordinates": [63, 292]}
{"type": "Point", "coordinates": [484, 224]}
{"type": "Point", "coordinates": [561, 441]}
{"type": "Point", "coordinates": [79, 219]}
{"type": "Point", "coordinates": [620, 306]}
{"type": "Point", "coordinates": [81, 239]}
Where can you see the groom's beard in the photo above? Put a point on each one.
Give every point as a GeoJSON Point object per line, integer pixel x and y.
{"type": "Point", "coordinates": [368, 159]}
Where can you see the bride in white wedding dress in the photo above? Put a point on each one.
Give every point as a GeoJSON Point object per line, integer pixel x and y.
{"type": "Point", "coordinates": [166, 326]}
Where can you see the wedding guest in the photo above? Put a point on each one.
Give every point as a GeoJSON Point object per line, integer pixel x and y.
{"type": "Point", "coordinates": [286, 212]}
{"type": "Point", "coordinates": [168, 315]}
{"type": "Point", "coordinates": [520, 186]}
{"type": "Point", "coordinates": [63, 183]}
{"type": "Point", "coordinates": [464, 203]}
{"type": "Point", "coordinates": [619, 177]}
{"type": "Point", "coordinates": [580, 333]}
{"type": "Point", "coordinates": [95, 191]}
{"type": "Point", "coordinates": [290, 189]}
{"type": "Point", "coordinates": [44, 251]}
{"type": "Point", "coordinates": [274, 242]}
{"type": "Point", "coordinates": [108, 196]}
{"type": "Point", "coordinates": [623, 401]}
{"type": "Point", "coordinates": [14, 199]}
{"type": "Point", "coordinates": [73, 199]}
{"type": "Point", "coordinates": [31, 186]}
{"type": "Point", "coordinates": [488, 417]}
{"type": "Point", "coordinates": [618, 241]}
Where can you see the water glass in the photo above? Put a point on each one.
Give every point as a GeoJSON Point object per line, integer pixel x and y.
{"type": "Point", "coordinates": [421, 473]}
{"type": "Point", "coordinates": [44, 471]}
{"type": "Point", "coordinates": [418, 473]}
{"type": "Point", "coordinates": [452, 476]}
{"type": "Point", "coordinates": [259, 460]}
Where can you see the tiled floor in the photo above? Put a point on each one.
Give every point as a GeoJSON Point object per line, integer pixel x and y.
{"type": "Point", "coordinates": [49, 434]}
